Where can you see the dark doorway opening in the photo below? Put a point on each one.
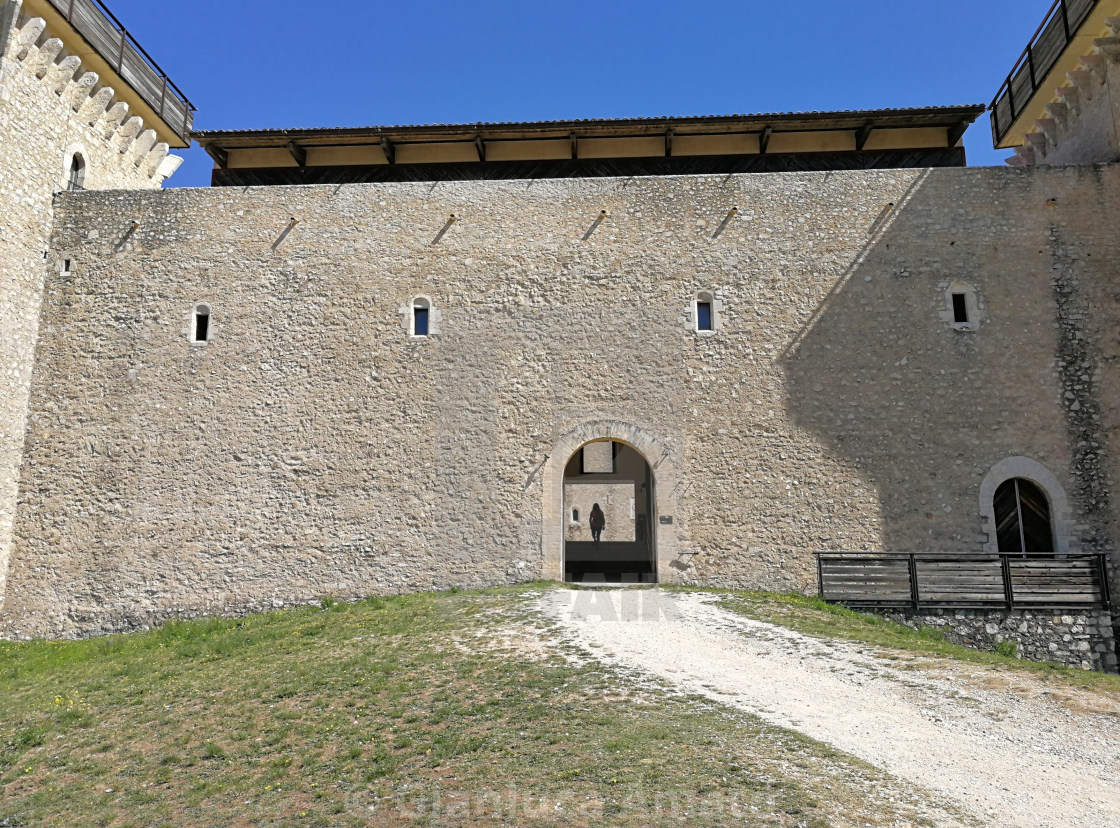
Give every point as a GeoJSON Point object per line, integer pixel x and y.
{"type": "Point", "coordinates": [1023, 518]}
{"type": "Point", "coordinates": [618, 479]}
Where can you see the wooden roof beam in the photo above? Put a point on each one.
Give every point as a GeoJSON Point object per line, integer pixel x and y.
{"type": "Point", "coordinates": [480, 146]}
{"type": "Point", "coordinates": [389, 150]}
{"type": "Point", "coordinates": [575, 146]}
{"type": "Point", "coordinates": [669, 144]}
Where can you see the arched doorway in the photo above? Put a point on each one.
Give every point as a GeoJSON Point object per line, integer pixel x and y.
{"type": "Point", "coordinates": [616, 478]}
{"type": "Point", "coordinates": [1022, 517]}
{"type": "Point", "coordinates": [1046, 506]}
{"type": "Point", "coordinates": [655, 449]}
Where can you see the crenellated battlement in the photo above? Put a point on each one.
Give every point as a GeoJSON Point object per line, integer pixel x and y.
{"type": "Point", "coordinates": [89, 100]}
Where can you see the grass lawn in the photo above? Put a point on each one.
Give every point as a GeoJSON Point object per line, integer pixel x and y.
{"type": "Point", "coordinates": [412, 710]}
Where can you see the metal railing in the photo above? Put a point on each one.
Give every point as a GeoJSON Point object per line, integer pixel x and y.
{"type": "Point", "coordinates": [1057, 31]}
{"type": "Point", "coordinates": [107, 35]}
{"type": "Point", "coordinates": [925, 581]}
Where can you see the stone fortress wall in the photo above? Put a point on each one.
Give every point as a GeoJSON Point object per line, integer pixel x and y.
{"type": "Point", "coordinates": [314, 448]}
{"type": "Point", "coordinates": [50, 108]}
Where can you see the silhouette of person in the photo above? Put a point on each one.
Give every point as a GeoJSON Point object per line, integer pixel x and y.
{"type": "Point", "coordinates": [597, 521]}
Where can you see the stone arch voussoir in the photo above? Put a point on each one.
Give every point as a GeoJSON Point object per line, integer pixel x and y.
{"type": "Point", "coordinates": [1065, 540]}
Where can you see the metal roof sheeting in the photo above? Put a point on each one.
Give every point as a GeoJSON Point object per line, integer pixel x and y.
{"type": "Point", "coordinates": [922, 117]}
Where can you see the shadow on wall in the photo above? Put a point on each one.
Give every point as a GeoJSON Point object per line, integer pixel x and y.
{"type": "Point", "coordinates": [909, 398]}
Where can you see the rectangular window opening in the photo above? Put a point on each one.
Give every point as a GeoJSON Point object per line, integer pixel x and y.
{"type": "Point", "coordinates": [703, 316]}
{"type": "Point", "coordinates": [65, 265]}
{"type": "Point", "coordinates": [420, 326]}
{"type": "Point", "coordinates": [960, 309]}
{"type": "Point", "coordinates": [201, 327]}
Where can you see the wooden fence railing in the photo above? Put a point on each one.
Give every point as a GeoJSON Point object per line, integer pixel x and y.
{"type": "Point", "coordinates": [105, 33]}
{"type": "Point", "coordinates": [928, 581]}
{"type": "Point", "coordinates": [1058, 29]}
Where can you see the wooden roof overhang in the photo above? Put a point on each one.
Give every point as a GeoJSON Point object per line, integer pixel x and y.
{"type": "Point", "coordinates": [887, 137]}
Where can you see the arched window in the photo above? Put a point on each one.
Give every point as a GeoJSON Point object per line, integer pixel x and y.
{"type": "Point", "coordinates": [77, 173]}
{"type": "Point", "coordinates": [1022, 517]}
{"type": "Point", "coordinates": [200, 324]}
{"type": "Point", "coordinates": [421, 316]}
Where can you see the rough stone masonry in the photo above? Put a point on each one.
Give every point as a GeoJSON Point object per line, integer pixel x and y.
{"type": "Point", "coordinates": [312, 447]}
{"type": "Point", "coordinates": [309, 444]}
{"type": "Point", "coordinates": [51, 111]}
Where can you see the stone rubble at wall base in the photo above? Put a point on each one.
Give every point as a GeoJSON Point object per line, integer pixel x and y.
{"type": "Point", "coordinates": [1078, 639]}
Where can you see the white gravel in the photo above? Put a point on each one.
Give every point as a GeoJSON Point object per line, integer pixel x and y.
{"type": "Point", "coordinates": [1003, 745]}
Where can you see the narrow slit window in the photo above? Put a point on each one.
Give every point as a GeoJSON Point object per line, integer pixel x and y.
{"type": "Point", "coordinates": [960, 309]}
{"type": "Point", "coordinates": [77, 173]}
{"type": "Point", "coordinates": [201, 324]}
{"type": "Point", "coordinates": [420, 321]}
{"type": "Point", "coordinates": [575, 515]}
{"type": "Point", "coordinates": [704, 316]}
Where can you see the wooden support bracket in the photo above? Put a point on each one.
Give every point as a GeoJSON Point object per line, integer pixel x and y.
{"type": "Point", "coordinates": [862, 135]}
{"type": "Point", "coordinates": [220, 156]}
{"type": "Point", "coordinates": [298, 153]}
{"type": "Point", "coordinates": [480, 146]}
{"type": "Point", "coordinates": [764, 140]}
{"type": "Point", "coordinates": [389, 150]}
{"type": "Point", "coordinates": [957, 132]}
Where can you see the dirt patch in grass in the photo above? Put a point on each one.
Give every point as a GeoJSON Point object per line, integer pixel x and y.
{"type": "Point", "coordinates": [990, 740]}
{"type": "Point", "coordinates": [922, 648]}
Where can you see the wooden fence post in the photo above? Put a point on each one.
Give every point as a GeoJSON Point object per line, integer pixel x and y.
{"type": "Point", "coordinates": [1008, 588]}
{"type": "Point", "coordinates": [915, 594]}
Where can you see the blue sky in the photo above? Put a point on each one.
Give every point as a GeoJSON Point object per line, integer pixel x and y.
{"type": "Point", "coordinates": [256, 64]}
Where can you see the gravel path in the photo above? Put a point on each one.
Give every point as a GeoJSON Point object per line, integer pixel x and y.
{"type": "Point", "coordinates": [1004, 746]}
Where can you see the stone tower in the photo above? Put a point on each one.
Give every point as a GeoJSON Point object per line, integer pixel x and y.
{"type": "Point", "coordinates": [81, 106]}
